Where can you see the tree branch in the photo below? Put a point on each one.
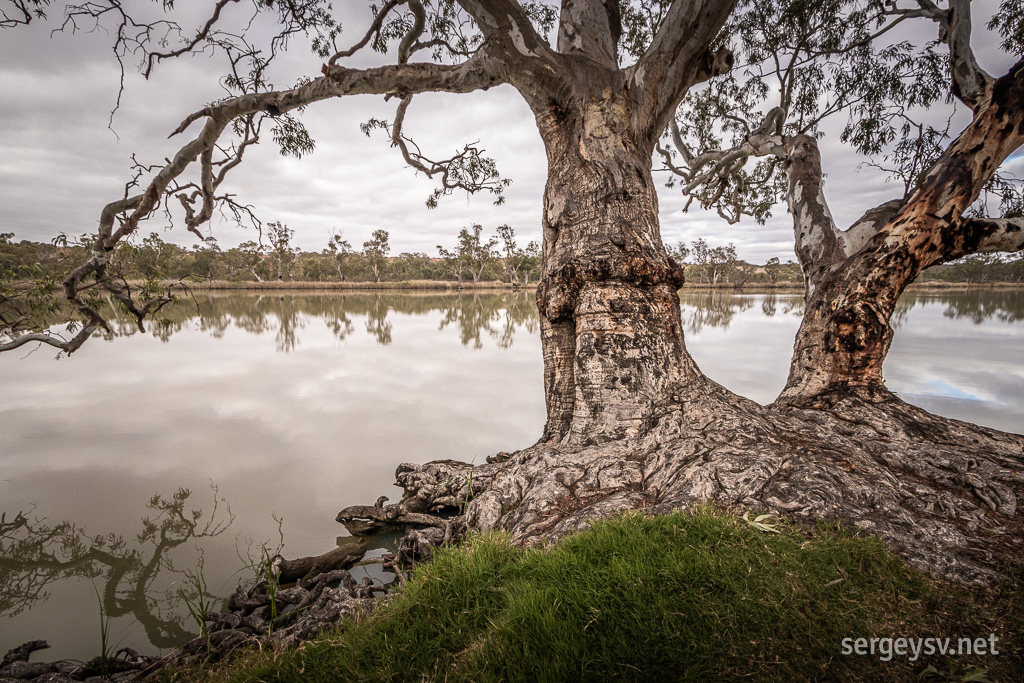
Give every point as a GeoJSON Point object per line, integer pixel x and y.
{"type": "Point", "coordinates": [931, 220]}
{"type": "Point", "coordinates": [370, 32]}
{"type": "Point", "coordinates": [986, 235]}
{"type": "Point", "coordinates": [510, 36]}
{"type": "Point", "coordinates": [679, 56]}
{"type": "Point", "coordinates": [338, 81]}
{"type": "Point", "coordinates": [26, 11]}
{"type": "Point", "coordinates": [970, 83]}
{"type": "Point", "coordinates": [68, 346]}
{"type": "Point", "coordinates": [590, 28]}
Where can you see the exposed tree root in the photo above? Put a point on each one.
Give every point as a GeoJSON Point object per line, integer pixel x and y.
{"type": "Point", "coordinates": [942, 493]}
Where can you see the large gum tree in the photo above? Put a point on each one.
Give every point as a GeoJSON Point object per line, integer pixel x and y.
{"type": "Point", "coordinates": [631, 420]}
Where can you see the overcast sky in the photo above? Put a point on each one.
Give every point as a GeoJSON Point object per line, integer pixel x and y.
{"type": "Point", "coordinates": [60, 163]}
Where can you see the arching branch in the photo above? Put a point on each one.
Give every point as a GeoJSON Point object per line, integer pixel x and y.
{"type": "Point", "coordinates": [371, 32]}
{"type": "Point", "coordinates": [467, 170]}
{"type": "Point", "coordinates": [122, 217]}
{"type": "Point", "coordinates": [68, 346]}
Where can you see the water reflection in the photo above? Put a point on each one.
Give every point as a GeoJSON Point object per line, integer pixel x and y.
{"type": "Point", "coordinates": [718, 308]}
{"type": "Point", "coordinates": [473, 314]}
{"type": "Point", "coordinates": [131, 579]}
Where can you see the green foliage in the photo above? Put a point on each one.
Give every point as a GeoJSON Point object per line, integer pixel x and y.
{"type": "Point", "coordinates": [696, 597]}
{"type": "Point", "coordinates": [291, 137]}
{"type": "Point", "coordinates": [375, 251]}
{"type": "Point", "coordinates": [814, 61]}
{"type": "Point", "coordinates": [1009, 21]}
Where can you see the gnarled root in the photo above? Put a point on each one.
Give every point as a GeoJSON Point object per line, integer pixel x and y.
{"type": "Point", "coordinates": [942, 493]}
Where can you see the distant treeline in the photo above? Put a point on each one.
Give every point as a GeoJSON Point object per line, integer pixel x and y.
{"type": "Point", "coordinates": [471, 259]}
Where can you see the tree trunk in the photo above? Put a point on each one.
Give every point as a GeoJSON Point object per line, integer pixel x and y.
{"type": "Point", "coordinates": [614, 357]}
{"type": "Point", "coordinates": [854, 278]}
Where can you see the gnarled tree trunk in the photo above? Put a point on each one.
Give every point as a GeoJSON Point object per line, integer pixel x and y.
{"type": "Point", "coordinates": [612, 335]}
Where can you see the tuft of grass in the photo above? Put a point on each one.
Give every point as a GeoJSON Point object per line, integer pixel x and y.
{"type": "Point", "coordinates": [198, 603]}
{"type": "Point", "coordinates": [704, 596]}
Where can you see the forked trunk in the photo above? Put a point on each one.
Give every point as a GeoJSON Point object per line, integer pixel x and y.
{"type": "Point", "coordinates": [854, 278]}
{"type": "Point", "coordinates": [843, 340]}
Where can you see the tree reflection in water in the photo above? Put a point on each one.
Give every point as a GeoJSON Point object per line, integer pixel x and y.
{"type": "Point", "coordinates": [34, 554]}
{"type": "Point", "coordinates": [473, 314]}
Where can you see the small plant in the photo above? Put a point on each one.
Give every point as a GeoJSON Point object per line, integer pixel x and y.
{"type": "Point", "coordinates": [469, 489]}
{"type": "Point", "coordinates": [199, 606]}
{"type": "Point", "coordinates": [105, 648]}
{"type": "Point", "coordinates": [273, 579]}
{"type": "Point", "coordinates": [761, 522]}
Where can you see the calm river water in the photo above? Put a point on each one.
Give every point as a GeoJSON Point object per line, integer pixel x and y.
{"type": "Point", "coordinates": [144, 460]}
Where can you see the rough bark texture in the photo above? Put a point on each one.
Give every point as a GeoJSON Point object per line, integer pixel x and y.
{"type": "Point", "coordinates": [610, 327]}
{"type": "Point", "coordinates": [631, 421]}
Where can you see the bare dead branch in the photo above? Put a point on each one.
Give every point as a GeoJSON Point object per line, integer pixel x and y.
{"type": "Point", "coordinates": [153, 57]}
{"type": "Point", "coordinates": [370, 33]}
{"type": "Point", "coordinates": [25, 12]}
{"type": "Point", "coordinates": [68, 346]}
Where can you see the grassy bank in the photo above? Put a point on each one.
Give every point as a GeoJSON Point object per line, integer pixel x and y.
{"type": "Point", "coordinates": [705, 597]}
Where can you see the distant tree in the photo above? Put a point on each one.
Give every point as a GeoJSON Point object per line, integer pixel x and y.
{"type": "Point", "coordinates": [475, 252]}
{"type": "Point", "coordinates": [206, 259]}
{"type": "Point", "coordinates": [375, 250]}
{"type": "Point", "coordinates": [514, 257]}
{"type": "Point", "coordinates": [451, 263]}
{"type": "Point", "coordinates": [722, 263]}
{"type": "Point", "coordinates": [340, 250]}
{"type": "Point", "coordinates": [701, 257]}
{"type": "Point", "coordinates": [680, 252]}
{"type": "Point", "coordinates": [772, 270]}
{"type": "Point", "coordinates": [6, 237]}
{"type": "Point", "coordinates": [411, 266]}
{"type": "Point", "coordinates": [280, 237]}
{"type": "Point", "coordinates": [533, 262]}
{"type": "Point", "coordinates": [251, 256]}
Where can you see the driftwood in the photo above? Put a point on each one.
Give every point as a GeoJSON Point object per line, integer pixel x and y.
{"type": "Point", "coordinates": [23, 652]}
{"type": "Point", "coordinates": [303, 568]}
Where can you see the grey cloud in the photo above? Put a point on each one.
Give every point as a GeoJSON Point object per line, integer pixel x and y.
{"type": "Point", "coordinates": [59, 164]}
